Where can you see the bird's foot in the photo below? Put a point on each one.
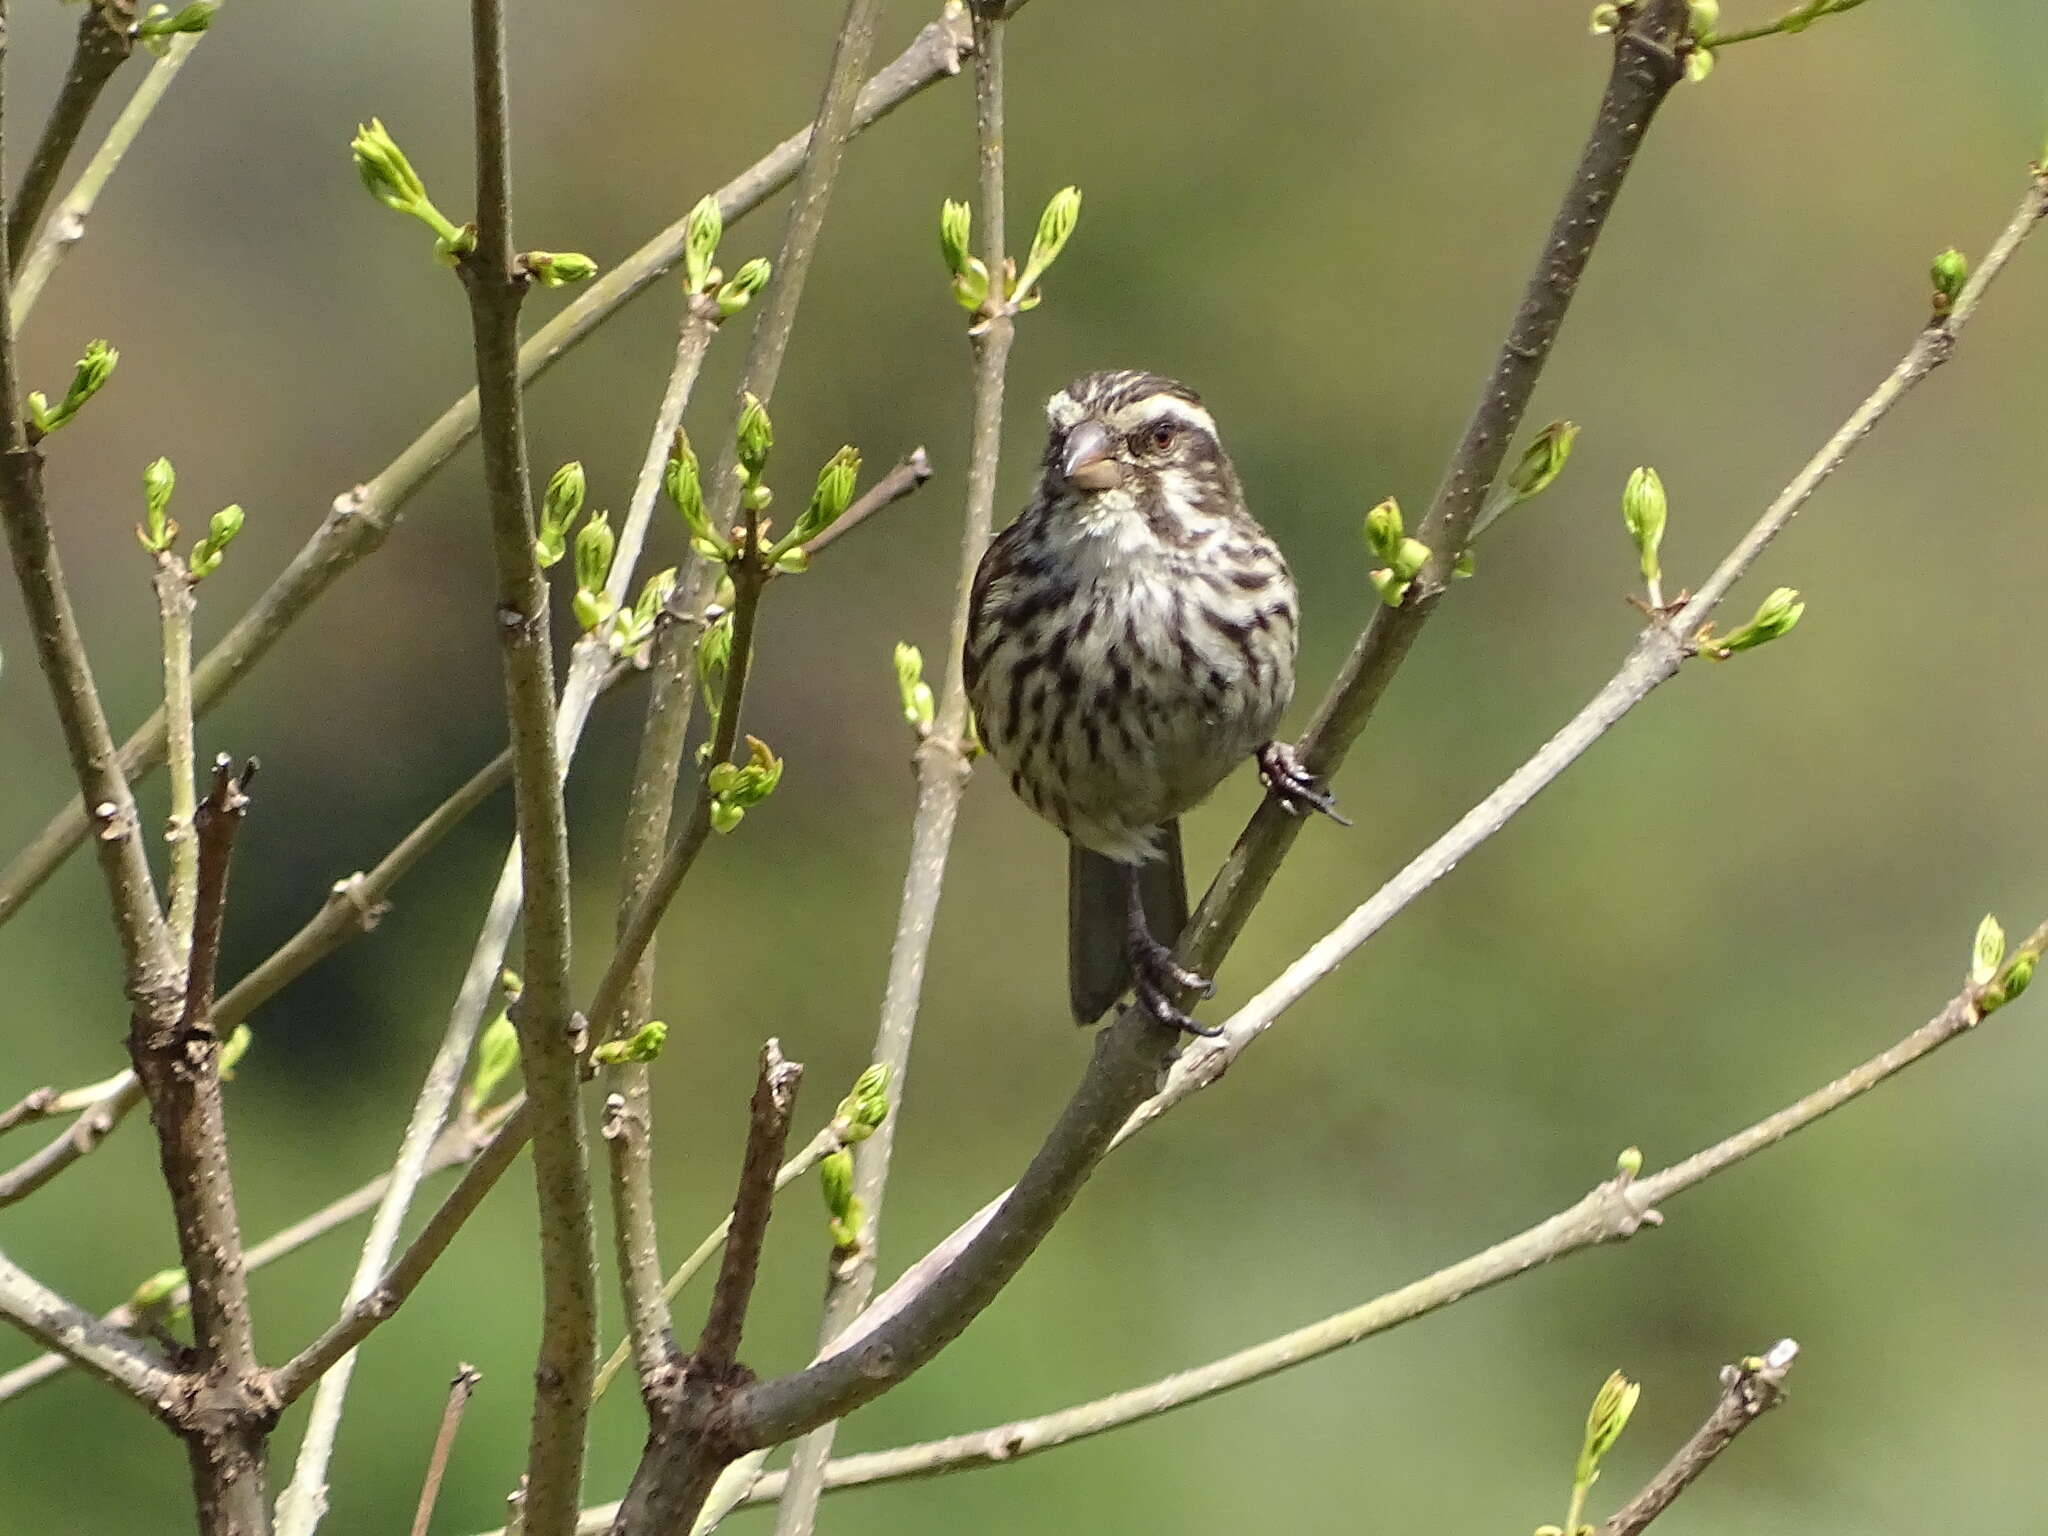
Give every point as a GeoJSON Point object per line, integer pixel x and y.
{"type": "Point", "coordinates": [1157, 978]}
{"type": "Point", "coordinates": [1296, 789]}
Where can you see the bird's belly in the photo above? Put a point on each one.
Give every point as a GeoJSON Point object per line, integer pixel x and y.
{"type": "Point", "coordinates": [1132, 707]}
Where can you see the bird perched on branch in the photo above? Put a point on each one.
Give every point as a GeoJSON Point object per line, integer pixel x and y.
{"type": "Point", "coordinates": [1131, 639]}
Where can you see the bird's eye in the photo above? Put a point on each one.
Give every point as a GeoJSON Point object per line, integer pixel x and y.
{"type": "Point", "coordinates": [1160, 436]}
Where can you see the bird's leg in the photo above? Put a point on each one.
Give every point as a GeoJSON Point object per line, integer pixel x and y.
{"type": "Point", "coordinates": [1155, 974]}
{"type": "Point", "coordinates": [1297, 790]}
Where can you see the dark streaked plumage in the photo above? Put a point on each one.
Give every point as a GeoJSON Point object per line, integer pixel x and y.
{"type": "Point", "coordinates": [1131, 639]}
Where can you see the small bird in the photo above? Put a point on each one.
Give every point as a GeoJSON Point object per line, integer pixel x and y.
{"type": "Point", "coordinates": [1131, 638]}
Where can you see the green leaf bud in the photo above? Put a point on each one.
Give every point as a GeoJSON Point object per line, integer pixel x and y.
{"type": "Point", "coordinates": [683, 482]}
{"type": "Point", "coordinates": [221, 529]}
{"type": "Point", "coordinates": [590, 608]}
{"type": "Point", "coordinates": [160, 24]}
{"type": "Point", "coordinates": [237, 1047]}
{"type": "Point", "coordinates": [1703, 18]}
{"type": "Point", "coordinates": [385, 171]}
{"type": "Point", "coordinates": [1949, 271]}
{"type": "Point", "coordinates": [1630, 1162]}
{"type": "Point", "coordinates": [1987, 951]}
{"type": "Point", "coordinates": [555, 268]}
{"type": "Point", "coordinates": [640, 1047]}
{"type": "Point", "coordinates": [835, 1177]}
{"type": "Point", "coordinates": [915, 695]}
{"type": "Point", "coordinates": [970, 287]}
{"type": "Point", "coordinates": [1777, 614]}
{"type": "Point", "coordinates": [1390, 587]}
{"type": "Point", "coordinates": [865, 1107]}
{"type": "Point", "coordinates": [1699, 64]}
{"type": "Point", "coordinates": [1643, 513]}
{"type": "Point", "coordinates": [497, 1054]}
{"type": "Point", "coordinates": [88, 375]}
{"type": "Point", "coordinates": [755, 436]}
{"type": "Point", "coordinates": [725, 816]}
{"type": "Point", "coordinates": [1410, 558]}
{"type": "Point", "coordinates": [956, 235]}
{"type": "Point", "coordinates": [1543, 460]}
{"type": "Point", "coordinates": [702, 230]}
{"type": "Point", "coordinates": [1055, 226]}
{"type": "Point", "coordinates": [2019, 975]}
{"type": "Point", "coordinates": [157, 530]}
{"type": "Point", "coordinates": [559, 505]}
{"type": "Point", "coordinates": [834, 494]}
{"type": "Point", "coordinates": [1383, 529]}
{"type": "Point", "coordinates": [654, 595]}
{"type": "Point", "coordinates": [793, 561]}
{"type": "Point", "coordinates": [1605, 19]}
{"type": "Point", "coordinates": [1609, 1415]}
{"type": "Point", "coordinates": [595, 545]}
{"type": "Point", "coordinates": [735, 295]}
{"type": "Point", "coordinates": [157, 1289]}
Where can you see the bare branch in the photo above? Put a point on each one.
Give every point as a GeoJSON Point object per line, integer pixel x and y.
{"type": "Point", "coordinates": [104, 42]}
{"type": "Point", "coordinates": [363, 517]}
{"type": "Point", "coordinates": [174, 602]}
{"type": "Point", "coordinates": [459, 1390]}
{"type": "Point", "coordinates": [943, 767]}
{"type": "Point", "coordinates": [549, 1055]}
{"type": "Point", "coordinates": [1749, 1389]}
{"type": "Point", "coordinates": [103, 1349]}
{"type": "Point", "coordinates": [718, 1347]}
{"type": "Point", "coordinates": [67, 225]}
{"type": "Point", "coordinates": [383, 1300]}
{"type": "Point", "coordinates": [457, 1146]}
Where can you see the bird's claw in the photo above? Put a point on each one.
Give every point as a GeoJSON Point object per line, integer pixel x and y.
{"type": "Point", "coordinates": [1296, 789]}
{"type": "Point", "coordinates": [1156, 977]}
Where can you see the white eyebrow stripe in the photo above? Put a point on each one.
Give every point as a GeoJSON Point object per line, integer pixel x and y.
{"type": "Point", "coordinates": [1163, 408]}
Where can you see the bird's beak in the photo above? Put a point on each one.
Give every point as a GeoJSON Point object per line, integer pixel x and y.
{"type": "Point", "coordinates": [1085, 463]}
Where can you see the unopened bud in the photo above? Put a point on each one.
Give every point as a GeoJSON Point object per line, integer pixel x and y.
{"type": "Point", "coordinates": [701, 233]}
{"type": "Point", "coordinates": [1987, 951]}
{"type": "Point", "coordinates": [1949, 271]}
{"type": "Point", "coordinates": [751, 278]}
{"type": "Point", "coordinates": [555, 268]}
{"type": "Point", "coordinates": [755, 436]}
{"type": "Point", "coordinates": [1643, 512]}
{"type": "Point", "coordinates": [919, 707]}
{"type": "Point", "coordinates": [221, 529]}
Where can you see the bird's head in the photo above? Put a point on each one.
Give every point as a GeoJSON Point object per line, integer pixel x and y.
{"type": "Point", "coordinates": [1135, 442]}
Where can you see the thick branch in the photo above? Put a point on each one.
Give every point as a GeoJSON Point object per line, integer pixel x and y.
{"type": "Point", "coordinates": [1749, 1390]}
{"type": "Point", "coordinates": [362, 518]}
{"type": "Point", "coordinates": [939, 1295]}
{"type": "Point", "coordinates": [548, 1049]}
{"type": "Point", "coordinates": [1645, 69]}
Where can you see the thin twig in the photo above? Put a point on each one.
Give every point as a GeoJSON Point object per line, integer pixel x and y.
{"type": "Point", "coordinates": [1749, 1389]}
{"type": "Point", "coordinates": [105, 39]}
{"type": "Point", "coordinates": [1655, 658]}
{"type": "Point", "coordinates": [549, 1057]}
{"type": "Point", "coordinates": [174, 603]}
{"type": "Point", "coordinates": [459, 1390]}
{"type": "Point", "coordinates": [101, 1348]}
{"type": "Point", "coordinates": [67, 225]}
{"type": "Point", "coordinates": [814, 1152]}
{"type": "Point", "coordinates": [908, 476]}
{"type": "Point", "coordinates": [458, 1146]}
{"type": "Point", "coordinates": [37, 1104]}
{"type": "Point", "coordinates": [943, 766]}
{"type": "Point", "coordinates": [768, 1116]}
{"type": "Point", "coordinates": [382, 1301]}
{"type": "Point", "coordinates": [363, 517]}
{"type": "Point", "coordinates": [629, 1106]}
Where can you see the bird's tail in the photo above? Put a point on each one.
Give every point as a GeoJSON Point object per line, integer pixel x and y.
{"type": "Point", "coordinates": [1098, 968]}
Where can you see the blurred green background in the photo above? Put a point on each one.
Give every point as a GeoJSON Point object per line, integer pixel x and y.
{"type": "Point", "coordinates": [1320, 215]}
